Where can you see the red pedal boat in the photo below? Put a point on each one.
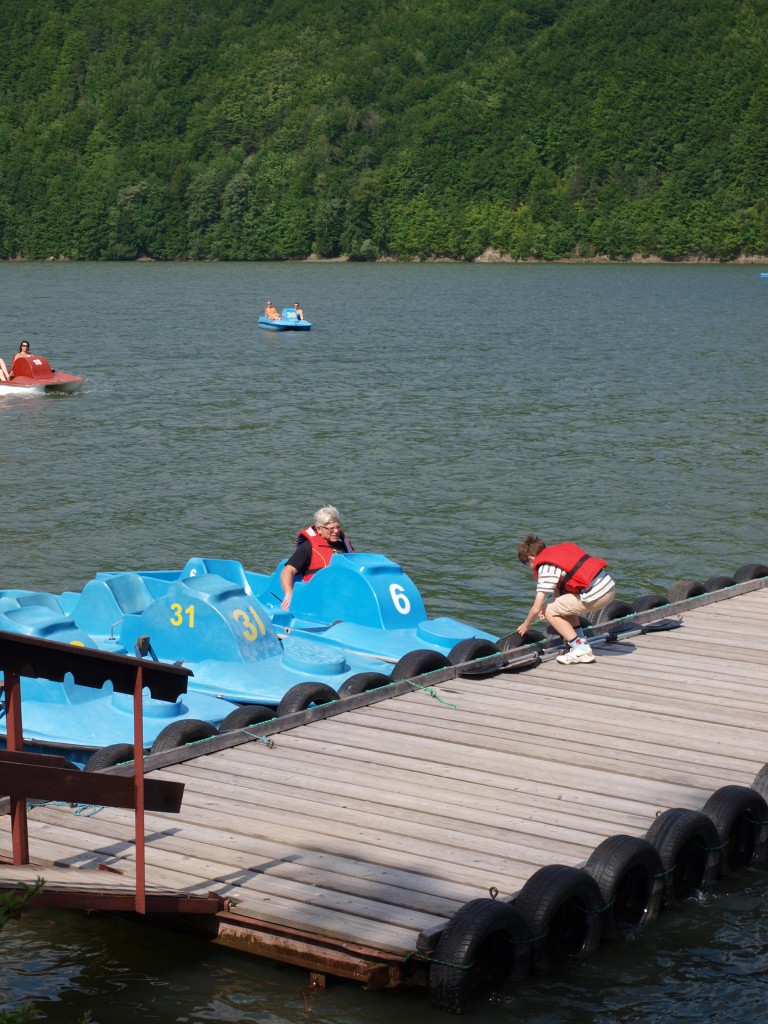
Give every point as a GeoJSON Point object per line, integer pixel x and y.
{"type": "Point", "coordinates": [33, 374]}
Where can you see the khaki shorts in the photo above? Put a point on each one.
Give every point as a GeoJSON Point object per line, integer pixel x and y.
{"type": "Point", "coordinates": [569, 604]}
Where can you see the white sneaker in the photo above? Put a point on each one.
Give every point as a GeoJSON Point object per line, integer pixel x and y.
{"type": "Point", "coordinates": [580, 655]}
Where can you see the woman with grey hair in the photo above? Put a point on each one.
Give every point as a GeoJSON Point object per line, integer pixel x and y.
{"type": "Point", "coordinates": [315, 547]}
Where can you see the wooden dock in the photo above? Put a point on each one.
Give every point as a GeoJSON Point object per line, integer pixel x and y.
{"type": "Point", "coordinates": [344, 844]}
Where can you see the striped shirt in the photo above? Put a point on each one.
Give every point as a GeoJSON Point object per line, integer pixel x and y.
{"type": "Point", "coordinates": [549, 578]}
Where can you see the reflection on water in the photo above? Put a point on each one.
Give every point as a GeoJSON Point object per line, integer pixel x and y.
{"type": "Point", "coordinates": [447, 410]}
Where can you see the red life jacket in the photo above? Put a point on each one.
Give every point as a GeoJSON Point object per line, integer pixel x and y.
{"type": "Point", "coordinates": [322, 552]}
{"type": "Point", "coordinates": [579, 567]}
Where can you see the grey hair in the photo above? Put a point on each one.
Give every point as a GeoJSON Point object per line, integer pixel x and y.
{"type": "Point", "coordinates": [327, 514]}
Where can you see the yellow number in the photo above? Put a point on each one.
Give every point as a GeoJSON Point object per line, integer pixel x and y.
{"type": "Point", "coordinates": [258, 620]}
{"type": "Point", "coordinates": [177, 619]}
{"type": "Point", "coordinates": [76, 643]}
{"type": "Point", "coordinates": [250, 629]}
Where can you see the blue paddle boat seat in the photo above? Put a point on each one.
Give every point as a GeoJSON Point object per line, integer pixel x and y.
{"type": "Point", "coordinates": [109, 599]}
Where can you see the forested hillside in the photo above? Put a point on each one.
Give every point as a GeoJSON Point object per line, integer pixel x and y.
{"type": "Point", "coordinates": [272, 129]}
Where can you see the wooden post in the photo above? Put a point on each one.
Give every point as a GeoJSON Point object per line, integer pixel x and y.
{"type": "Point", "coordinates": [15, 742]}
{"type": "Point", "coordinates": [138, 787]}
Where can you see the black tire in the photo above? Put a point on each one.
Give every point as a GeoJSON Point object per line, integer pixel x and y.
{"type": "Point", "coordinates": [416, 663]}
{"type": "Point", "coordinates": [740, 816]}
{"type": "Point", "coordinates": [362, 682]}
{"type": "Point", "coordinates": [470, 650]}
{"type": "Point", "coordinates": [108, 757]}
{"type": "Point", "coordinates": [563, 907]}
{"type": "Point", "coordinates": [718, 583]}
{"type": "Point", "coordinates": [689, 847]}
{"type": "Point", "coordinates": [629, 875]}
{"type": "Point", "coordinates": [485, 943]}
{"type": "Point", "coordinates": [248, 714]}
{"type": "Point", "coordinates": [511, 641]}
{"type": "Point", "coordinates": [613, 611]}
{"type": "Point", "coordinates": [185, 730]}
{"type": "Point", "coordinates": [648, 601]}
{"type": "Point", "coordinates": [303, 695]}
{"type": "Point", "coordinates": [760, 783]}
{"type": "Point", "coordinates": [753, 571]}
{"type": "Point", "coordinates": [684, 589]}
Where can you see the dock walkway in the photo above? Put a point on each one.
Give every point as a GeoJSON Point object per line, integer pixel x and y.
{"type": "Point", "coordinates": [345, 841]}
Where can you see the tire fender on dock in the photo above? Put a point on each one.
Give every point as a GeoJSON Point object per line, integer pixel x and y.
{"type": "Point", "coordinates": [108, 757]}
{"type": "Point", "coordinates": [362, 682]}
{"type": "Point", "coordinates": [303, 695]}
{"type": "Point", "coordinates": [470, 650]}
{"type": "Point", "coordinates": [740, 816]}
{"type": "Point", "coordinates": [416, 663]}
{"type": "Point", "coordinates": [563, 907]}
{"type": "Point", "coordinates": [630, 876]}
{"type": "Point", "coordinates": [248, 714]}
{"type": "Point", "coordinates": [689, 847]}
{"type": "Point", "coordinates": [186, 730]}
{"type": "Point", "coordinates": [485, 943]}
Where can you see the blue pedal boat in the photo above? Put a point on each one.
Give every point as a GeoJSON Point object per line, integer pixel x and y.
{"type": "Point", "coordinates": [360, 615]}
{"type": "Point", "coordinates": [77, 721]}
{"type": "Point", "coordinates": [288, 320]}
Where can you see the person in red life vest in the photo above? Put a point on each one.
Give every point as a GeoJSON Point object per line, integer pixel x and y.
{"type": "Point", "coordinates": [581, 586]}
{"type": "Point", "coordinates": [315, 547]}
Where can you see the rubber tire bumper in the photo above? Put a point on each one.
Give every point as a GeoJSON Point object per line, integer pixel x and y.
{"type": "Point", "coordinates": [563, 907]}
{"type": "Point", "coordinates": [108, 757]}
{"type": "Point", "coordinates": [248, 714]}
{"type": "Point", "coordinates": [417, 663]}
{"type": "Point", "coordinates": [485, 943]}
{"type": "Point", "coordinates": [630, 876]}
{"type": "Point", "coordinates": [740, 816]}
{"type": "Point", "coordinates": [177, 734]}
{"type": "Point", "coordinates": [362, 682]}
{"type": "Point", "coordinates": [303, 695]}
{"type": "Point", "coordinates": [689, 847]}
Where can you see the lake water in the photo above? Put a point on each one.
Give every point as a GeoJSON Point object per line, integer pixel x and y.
{"type": "Point", "coordinates": [448, 410]}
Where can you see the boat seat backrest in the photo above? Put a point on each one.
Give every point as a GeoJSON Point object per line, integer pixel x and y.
{"type": "Point", "coordinates": [31, 366]}
{"type": "Point", "coordinates": [131, 592]}
{"type": "Point", "coordinates": [46, 600]}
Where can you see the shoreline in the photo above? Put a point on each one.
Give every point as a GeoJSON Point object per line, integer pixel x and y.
{"type": "Point", "coordinates": [490, 255]}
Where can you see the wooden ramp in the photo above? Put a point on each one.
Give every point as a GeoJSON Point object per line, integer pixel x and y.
{"type": "Point", "coordinates": [353, 836]}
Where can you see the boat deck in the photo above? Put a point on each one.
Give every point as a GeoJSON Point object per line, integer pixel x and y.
{"type": "Point", "coordinates": [368, 829]}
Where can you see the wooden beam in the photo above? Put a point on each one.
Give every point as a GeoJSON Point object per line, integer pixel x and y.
{"type": "Point", "coordinates": [30, 780]}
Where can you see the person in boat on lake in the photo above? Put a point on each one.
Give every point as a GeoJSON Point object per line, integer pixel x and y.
{"type": "Point", "coordinates": [315, 547]}
{"type": "Point", "coordinates": [582, 585]}
{"type": "Point", "coordinates": [298, 311]}
{"type": "Point", "coordinates": [23, 351]}
{"type": "Point", "coordinates": [271, 312]}
{"type": "Point", "coordinates": [4, 375]}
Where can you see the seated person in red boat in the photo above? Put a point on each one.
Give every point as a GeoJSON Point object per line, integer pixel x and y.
{"type": "Point", "coordinates": [4, 375]}
{"type": "Point", "coordinates": [23, 351]}
{"type": "Point", "coordinates": [315, 547]}
{"type": "Point", "coordinates": [578, 584]}
{"type": "Point", "coordinates": [271, 312]}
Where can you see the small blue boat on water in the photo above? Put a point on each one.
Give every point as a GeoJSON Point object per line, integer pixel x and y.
{"type": "Point", "coordinates": [289, 320]}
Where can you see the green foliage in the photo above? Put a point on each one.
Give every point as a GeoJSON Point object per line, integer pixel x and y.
{"type": "Point", "coordinates": [270, 129]}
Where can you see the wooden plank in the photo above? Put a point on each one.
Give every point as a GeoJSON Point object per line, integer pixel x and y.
{"type": "Point", "coordinates": [35, 781]}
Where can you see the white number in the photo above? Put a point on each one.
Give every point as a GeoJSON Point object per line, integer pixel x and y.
{"type": "Point", "coordinates": [399, 598]}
